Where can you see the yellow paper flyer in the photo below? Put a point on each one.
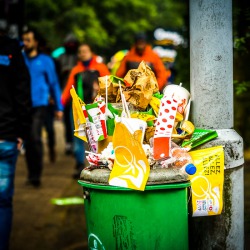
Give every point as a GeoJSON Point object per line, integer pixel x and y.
{"type": "Point", "coordinates": [207, 183]}
{"type": "Point", "coordinates": [131, 167]}
{"type": "Point", "coordinates": [78, 116]}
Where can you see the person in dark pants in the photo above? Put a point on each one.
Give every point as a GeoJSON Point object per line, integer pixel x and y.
{"type": "Point", "coordinates": [15, 106]}
{"type": "Point", "coordinates": [49, 126]}
{"type": "Point", "coordinates": [44, 83]}
{"type": "Point", "coordinates": [34, 149]}
{"type": "Point", "coordinates": [65, 62]}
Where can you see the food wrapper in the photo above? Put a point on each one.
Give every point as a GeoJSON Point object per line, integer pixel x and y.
{"type": "Point", "coordinates": [139, 98]}
{"type": "Point", "coordinates": [134, 126]}
{"type": "Point", "coordinates": [148, 116]}
{"type": "Point", "coordinates": [143, 85]}
{"type": "Point", "coordinates": [200, 136]}
{"type": "Point", "coordinates": [207, 183]}
{"type": "Point", "coordinates": [131, 167]}
{"type": "Point", "coordinates": [110, 114]}
{"type": "Point", "coordinates": [142, 74]}
{"type": "Point", "coordinates": [155, 103]}
{"type": "Point", "coordinates": [78, 116]}
{"type": "Point", "coordinates": [149, 133]}
{"type": "Point", "coordinates": [143, 116]}
{"type": "Point", "coordinates": [104, 143]}
{"type": "Point", "coordinates": [97, 122]}
{"type": "Point", "coordinates": [113, 86]}
{"type": "Point", "coordinates": [185, 130]}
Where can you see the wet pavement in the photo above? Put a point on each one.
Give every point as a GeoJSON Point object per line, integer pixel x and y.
{"type": "Point", "coordinates": [39, 225]}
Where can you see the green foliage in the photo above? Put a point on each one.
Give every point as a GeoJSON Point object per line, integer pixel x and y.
{"type": "Point", "coordinates": [241, 87]}
{"type": "Point", "coordinates": [107, 25]}
{"type": "Point", "coordinates": [241, 24]}
{"type": "Point", "coordinates": [110, 25]}
{"type": "Point", "coordinates": [240, 44]}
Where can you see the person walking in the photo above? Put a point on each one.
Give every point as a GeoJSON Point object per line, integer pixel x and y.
{"type": "Point", "coordinates": [143, 51]}
{"type": "Point", "coordinates": [44, 83]}
{"type": "Point", "coordinates": [15, 107]}
{"type": "Point", "coordinates": [84, 77]}
{"type": "Point", "coordinates": [65, 62]}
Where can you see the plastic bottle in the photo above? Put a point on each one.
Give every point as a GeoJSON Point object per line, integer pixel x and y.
{"type": "Point", "coordinates": [183, 160]}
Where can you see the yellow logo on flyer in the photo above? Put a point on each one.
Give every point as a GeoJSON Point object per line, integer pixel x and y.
{"type": "Point", "coordinates": [131, 167]}
{"type": "Point", "coordinates": [207, 183]}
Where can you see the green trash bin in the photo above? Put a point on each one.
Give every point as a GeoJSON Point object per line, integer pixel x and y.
{"type": "Point", "coordinates": [124, 219]}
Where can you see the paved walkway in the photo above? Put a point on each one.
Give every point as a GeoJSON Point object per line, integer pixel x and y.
{"type": "Point", "coordinates": [39, 225]}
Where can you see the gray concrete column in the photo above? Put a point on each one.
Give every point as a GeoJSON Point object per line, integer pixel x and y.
{"type": "Point", "coordinates": [211, 55]}
{"type": "Point", "coordinates": [211, 65]}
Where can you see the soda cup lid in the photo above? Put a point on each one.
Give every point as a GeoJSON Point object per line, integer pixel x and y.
{"type": "Point", "coordinates": [190, 169]}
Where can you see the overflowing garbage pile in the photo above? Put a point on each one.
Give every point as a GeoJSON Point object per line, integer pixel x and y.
{"type": "Point", "coordinates": [132, 111]}
{"type": "Point", "coordinates": [131, 129]}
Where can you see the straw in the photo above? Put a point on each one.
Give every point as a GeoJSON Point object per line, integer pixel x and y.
{"type": "Point", "coordinates": [126, 105]}
{"type": "Point", "coordinates": [187, 110]}
{"type": "Point", "coordinates": [79, 130]}
{"type": "Point", "coordinates": [120, 87]}
{"type": "Point", "coordinates": [124, 102]}
{"type": "Point", "coordinates": [106, 94]}
{"type": "Point", "coordinates": [89, 152]}
{"type": "Point", "coordinates": [123, 107]}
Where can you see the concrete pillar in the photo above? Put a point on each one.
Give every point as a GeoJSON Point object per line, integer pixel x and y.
{"type": "Point", "coordinates": [211, 62]}
{"type": "Point", "coordinates": [211, 55]}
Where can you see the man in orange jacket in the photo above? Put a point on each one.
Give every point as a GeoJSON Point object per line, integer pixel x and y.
{"type": "Point", "coordinates": [142, 51]}
{"type": "Point", "coordinates": [84, 77]}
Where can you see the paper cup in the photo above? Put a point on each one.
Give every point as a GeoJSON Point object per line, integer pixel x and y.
{"type": "Point", "coordinates": [181, 95]}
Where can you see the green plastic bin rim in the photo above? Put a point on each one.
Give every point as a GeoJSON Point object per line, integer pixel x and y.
{"type": "Point", "coordinates": [151, 187]}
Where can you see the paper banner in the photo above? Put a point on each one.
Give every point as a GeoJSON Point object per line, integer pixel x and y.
{"type": "Point", "coordinates": [131, 167]}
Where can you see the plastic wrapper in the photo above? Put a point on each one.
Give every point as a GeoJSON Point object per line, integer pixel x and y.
{"type": "Point", "coordinates": [182, 130]}
{"type": "Point", "coordinates": [155, 104]}
{"type": "Point", "coordinates": [148, 116]}
{"type": "Point", "coordinates": [96, 120]}
{"type": "Point", "coordinates": [200, 136]}
{"type": "Point", "coordinates": [180, 159]}
{"type": "Point", "coordinates": [131, 167]}
{"type": "Point", "coordinates": [103, 159]}
{"type": "Point", "coordinates": [207, 183]}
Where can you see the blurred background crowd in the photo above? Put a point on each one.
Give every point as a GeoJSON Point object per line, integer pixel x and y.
{"type": "Point", "coordinates": [109, 27]}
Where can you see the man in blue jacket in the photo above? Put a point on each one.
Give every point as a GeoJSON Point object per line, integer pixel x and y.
{"type": "Point", "coordinates": [44, 83]}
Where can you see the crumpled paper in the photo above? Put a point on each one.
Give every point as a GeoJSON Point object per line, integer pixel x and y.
{"type": "Point", "coordinates": [142, 85]}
